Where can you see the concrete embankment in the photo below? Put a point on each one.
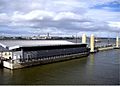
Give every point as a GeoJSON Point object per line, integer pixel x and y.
{"type": "Point", "coordinates": [105, 48]}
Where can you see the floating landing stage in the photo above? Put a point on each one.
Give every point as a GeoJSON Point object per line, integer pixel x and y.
{"type": "Point", "coordinates": [19, 54]}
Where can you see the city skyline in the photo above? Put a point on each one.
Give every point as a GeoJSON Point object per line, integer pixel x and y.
{"type": "Point", "coordinates": [60, 17]}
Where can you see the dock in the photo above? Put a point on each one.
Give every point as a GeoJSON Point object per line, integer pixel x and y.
{"type": "Point", "coordinates": [32, 53]}
{"type": "Point", "coordinates": [17, 65]}
{"type": "Point", "coordinates": [28, 53]}
{"type": "Point", "coordinates": [105, 48]}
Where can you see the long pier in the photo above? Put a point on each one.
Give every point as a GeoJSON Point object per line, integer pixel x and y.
{"type": "Point", "coordinates": [94, 48]}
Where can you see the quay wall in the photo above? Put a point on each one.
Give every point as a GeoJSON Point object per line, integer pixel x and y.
{"type": "Point", "coordinates": [105, 48]}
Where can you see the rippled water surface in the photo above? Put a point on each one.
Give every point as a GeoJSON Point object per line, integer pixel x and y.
{"type": "Point", "coordinates": [99, 68]}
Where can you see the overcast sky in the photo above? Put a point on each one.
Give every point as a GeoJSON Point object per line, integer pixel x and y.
{"type": "Point", "coordinates": [60, 17]}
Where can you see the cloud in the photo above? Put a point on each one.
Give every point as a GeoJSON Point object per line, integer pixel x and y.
{"type": "Point", "coordinates": [58, 16]}
{"type": "Point", "coordinates": [114, 24]}
{"type": "Point", "coordinates": [35, 14]}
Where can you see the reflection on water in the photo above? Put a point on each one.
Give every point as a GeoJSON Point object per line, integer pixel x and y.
{"type": "Point", "coordinates": [91, 59]}
{"type": "Point", "coordinates": [91, 64]}
{"type": "Point", "coordinates": [99, 68]}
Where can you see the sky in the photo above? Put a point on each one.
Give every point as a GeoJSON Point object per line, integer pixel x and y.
{"type": "Point", "coordinates": [59, 17]}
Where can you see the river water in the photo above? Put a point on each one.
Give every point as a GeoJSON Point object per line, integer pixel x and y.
{"type": "Point", "coordinates": [100, 68]}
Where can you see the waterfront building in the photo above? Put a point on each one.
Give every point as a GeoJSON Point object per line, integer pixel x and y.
{"type": "Point", "coordinates": [43, 51]}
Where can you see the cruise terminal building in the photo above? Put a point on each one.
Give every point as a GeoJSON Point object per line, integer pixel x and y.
{"type": "Point", "coordinates": [23, 53]}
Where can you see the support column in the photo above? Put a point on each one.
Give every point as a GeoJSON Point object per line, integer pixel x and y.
{"type": "Point", "coordinates": [117, 42]}
{"type": "Point", "coordinates": [92, 43]}
{"type": "Point", "coordinates": [84, 38]}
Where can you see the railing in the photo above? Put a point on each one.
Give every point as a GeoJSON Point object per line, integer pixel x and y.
{"type": "Point", "coordinates": [43, 58]}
